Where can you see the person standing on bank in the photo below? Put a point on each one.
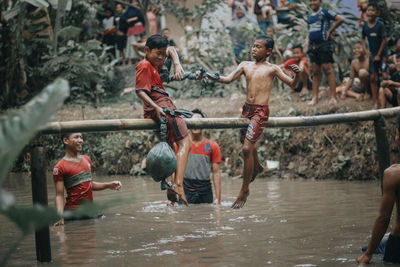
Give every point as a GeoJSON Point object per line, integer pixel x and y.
{"type": "Point", "coordinates": [203, 162]}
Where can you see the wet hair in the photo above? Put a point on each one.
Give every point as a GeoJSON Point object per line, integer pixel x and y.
{"type": "Point", "coordinates": [157, 41]}
{"type": "Point", "coordinates": [298, 46]}
{"type": "Point", "coordinates": [269, 42]}
{"type": "Point", "coordinates": [199, 111]}
{"type": "Point", "coordinates": [374, 5]}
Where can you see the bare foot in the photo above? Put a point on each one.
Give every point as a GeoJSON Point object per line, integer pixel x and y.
{"type": "Point", "coordinates": [332, 101]}
{"type": "Point", "coordinates": [367, 96]}
{"type": "Point", "coordinates": [257, 170]}
{"type": "Point", "coordinates": [376, 106]}
{"type": "Point", "coordinates": [241, 199]}
{"type": "Point", "coordinates": [313, 101]}
{"type": "Point", "coordinates": [304, 91]}
{"type": "Point", "coordinates": [360, 97]}
{"type": "Point", "coordinates": [343, 96]}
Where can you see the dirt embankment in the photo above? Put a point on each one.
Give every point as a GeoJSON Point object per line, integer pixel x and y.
{"type": "Point", "coordinates": [342, 151]}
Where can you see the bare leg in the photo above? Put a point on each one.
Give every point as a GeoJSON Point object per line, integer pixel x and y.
{"type": "Point", "coordinates": [248, 169]}
{"type": "Point", "coordinates": [304, 79]}
{"type": "Point", "coordinates": [121, 53]}
{"type": "Point", "coordinates": [327, 67]}
{"type": "Point", "coordinates": [357, 96]}
{"type": "Point", "coordinates": [316, 81]}
{"type": "Point", "coordinates": [258, 168]}
{"type": "Point", "coordinates": [384, 94]}
{"type": "Point", "coordinates": [182, 158]}
{"type": "Point", "coordinates": [374, 88]}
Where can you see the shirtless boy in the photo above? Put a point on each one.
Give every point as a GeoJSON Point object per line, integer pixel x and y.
{"type": "Point", "coordinates": [259, 76]}
{"type": "Point", "coordinates": [390, 197]}
{"type": "Point", "coordinates": [359, 66]}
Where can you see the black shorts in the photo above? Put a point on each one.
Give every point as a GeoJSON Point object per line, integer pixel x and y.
{"type": "Point", "coordinates": [394, 101]}
{"type": "Point", "coordinates": [120, 40]}
{"type": "Point", "coordinates": [320, 52]}
{"type": "Point", "coordinates": [198, 192]}
{"type": "Point", "coordinates": [392, 250]}
{"type": "Point", "coordinates": [299, 86]}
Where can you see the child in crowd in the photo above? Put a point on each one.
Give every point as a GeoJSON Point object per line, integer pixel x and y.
{"type": "Point", "coordinates": [375, 31]}
{"type": "Point", "coordinates": [108, 27]}
{"type": "Point", "coordinates": [359, 66]}
{"type": "Point", "coordinates": [259, 76]}
{"type": "Point", "coordinates": [300, 60]}
{"type": "Point", "coordinates": [139, 46]}
{"type": "Point", "coordinates": [394, 56]}
{"type": "Point", "coordinates": [320, 48]}
{"type": "Point", "coordinates": [389, 90]}
{"type": "Point", "coordinates": [149, 88]}
{"type": "Point", "coordinates": [167, 33]}
{"type": "Point", "coordinates": [121, 27]}
{"type": "Point", "coordinates": [74, 172]}
{"type": "Point", "coordinates": [266, 8]}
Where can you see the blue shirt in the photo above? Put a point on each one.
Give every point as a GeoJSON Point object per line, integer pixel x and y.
{"type": "Point", "coordinates": [319, 24]}
{"type": "Point", "coordinates": [375, 37]}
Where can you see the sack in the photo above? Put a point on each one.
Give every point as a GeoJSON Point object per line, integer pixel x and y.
{"type": "Point", "coordinates": [161, 161]}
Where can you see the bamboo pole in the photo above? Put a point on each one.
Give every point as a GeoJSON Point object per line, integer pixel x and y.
{"type": "Point", "coordinates": [382, 145]}
{"type": "Point", "coordinates": [39, 196]}
{"type": "Point", "coordinates": [218, 123]}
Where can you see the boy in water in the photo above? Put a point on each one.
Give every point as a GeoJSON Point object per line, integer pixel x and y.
{"type": "Point", "coordinates": [390, 197]}
{"type": "Point", "coordinates": [359, 66]}
{"type": "Point", "coordinates": [375, 31]}
{"type": "Point", "coordinates": [259, 77]}
{"type": "Point", "coordinates": [320, 48]}
{"type": "Point", "coordinates": [74, 172]}
{"type": "Point", "coordinates": [149, 88]}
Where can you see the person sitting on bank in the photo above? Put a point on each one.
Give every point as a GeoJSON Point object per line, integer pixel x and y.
{"type": "Point", "coordinates": [359, 66]}
{"type": "Point", "coordinates": [389, 90]}
{"type": "Point", "coordinates": [391, 196]}
{"type": "Point", "coordinates": [203, 162]}
{"type": "Point", "coordinates": [74, 172]}
{"type": "Point", "coordinates": [300, 60]}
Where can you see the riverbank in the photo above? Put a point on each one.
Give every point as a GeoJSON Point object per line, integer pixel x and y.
{"type": "Point", "coordinates": [343, 151]}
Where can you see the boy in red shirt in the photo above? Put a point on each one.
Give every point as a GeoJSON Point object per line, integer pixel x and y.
{"type": "Point", "coordinates": [73, 172]}
{"type": "Point", "coordinates": [298, 59]}
{"type": "Point", "coordinates": [150, 89]}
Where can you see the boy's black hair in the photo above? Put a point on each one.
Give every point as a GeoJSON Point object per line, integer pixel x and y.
{"type": "Point", "coordinates": [298, 46]}
{"type": "Point", "coordinates": [108, 9]}
{"type": "Point", "coordinates": [199, 111]}
{"type": "Point", "coordinates": [157, 41]}
{"type": "Point", "coordinates": [120, 4]}
{"type": "Point", "coordinates": [374, 5]}
{"type": "Point", "coordinates": [64, 135]}
{"type": "Point", "coordinates": [269, 42]}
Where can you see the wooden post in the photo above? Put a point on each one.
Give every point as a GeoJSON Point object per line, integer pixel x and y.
{"type": "Point", "coordinates": [382, 145]}
{"type": "Point", "coordinates": [39, 196]}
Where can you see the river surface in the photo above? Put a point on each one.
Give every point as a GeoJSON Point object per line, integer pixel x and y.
{"type": "Point", "coordinates": [284, 223]}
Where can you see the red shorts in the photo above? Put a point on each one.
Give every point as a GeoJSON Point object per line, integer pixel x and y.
{"type": "Point", "coordinates": [258, 115]}
{"type": "Point", "coordinates": [177, 129]}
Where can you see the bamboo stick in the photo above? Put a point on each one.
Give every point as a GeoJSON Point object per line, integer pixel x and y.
{"type": "Point", "coordinates": [218, 123]}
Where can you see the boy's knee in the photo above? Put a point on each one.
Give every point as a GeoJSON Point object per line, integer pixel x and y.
{"type": "Point", "coordinates": [247, 149]}
{"type": "Point", "coordinates": [327, 68]}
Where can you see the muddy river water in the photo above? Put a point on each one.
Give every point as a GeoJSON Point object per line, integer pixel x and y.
{"type": "Point", "coordinates": [284, 223]}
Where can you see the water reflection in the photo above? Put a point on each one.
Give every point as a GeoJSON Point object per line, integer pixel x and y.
{"type": "Point", "coordinates": [284, 223]}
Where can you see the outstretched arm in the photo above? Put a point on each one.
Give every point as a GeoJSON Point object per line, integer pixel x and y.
{"type": "Point", "coordinates": [381, 224]}
{"type": "Point", "coordinates": [286, 79]}
{"type": "Point", "coordinates": [234, 75]}
{"type": "Point", "coordinates": [116, 185]}
{"type": "Point", "coordinates": [178, 70]}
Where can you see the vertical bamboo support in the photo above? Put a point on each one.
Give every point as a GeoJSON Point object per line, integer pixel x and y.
{"type": "Point", "coordinates": [382, 145]}
{"type": "Point", "coordinates": [39, 196]}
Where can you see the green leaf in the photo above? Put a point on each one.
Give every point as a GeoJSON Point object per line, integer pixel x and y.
{"type": "Point", "coordinates": [37, 3]}
{"type": "Point", "coordinates": [9, 14]}
{"type": "Point", "coordinates": [69, 32]}
{"type": "Point", "coordinates": [19, 127]}
{"type": "Point", "coordinates": [29, 219]}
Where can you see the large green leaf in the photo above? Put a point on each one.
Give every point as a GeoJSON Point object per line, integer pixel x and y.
{"type": "Point", "coordinates": [19, 127]}
{"type": "Point", "coordinates": [37, 3]}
